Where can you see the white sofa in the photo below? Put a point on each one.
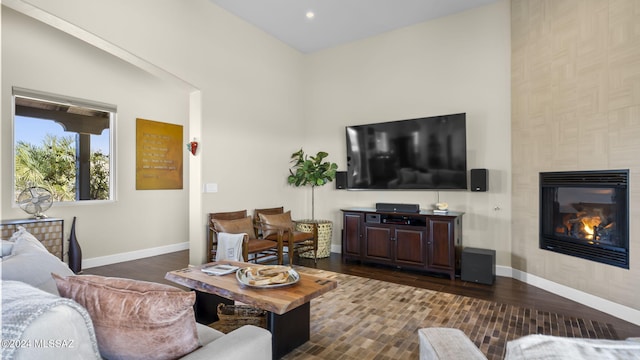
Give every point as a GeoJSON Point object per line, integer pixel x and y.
{"type": "Point", "coordinates": [62, 329]}
{"type": "Point", "coordinates": [453, 344]}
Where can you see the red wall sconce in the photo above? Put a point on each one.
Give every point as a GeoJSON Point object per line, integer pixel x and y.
{"type": "Point", "coordinates": [193, 146]}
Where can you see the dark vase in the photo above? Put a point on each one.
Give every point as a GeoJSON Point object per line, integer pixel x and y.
{"type": "Point", "coordinates": [75, 252]}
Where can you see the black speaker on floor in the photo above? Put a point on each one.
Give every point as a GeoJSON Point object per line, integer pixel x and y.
{"type": "Point", "coordinates": [341, 180]}
{"type": "Point", "coordinates": [479, 179]}
{"type": "Point", "coordinates": [478, 265]}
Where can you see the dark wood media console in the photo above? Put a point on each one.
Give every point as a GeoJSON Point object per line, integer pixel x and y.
{"type": "Point", "coordinates": [419, 241]}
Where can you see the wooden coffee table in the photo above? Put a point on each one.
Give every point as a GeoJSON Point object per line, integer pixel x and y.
{"type": "Point", "coordinates": [288, 308]}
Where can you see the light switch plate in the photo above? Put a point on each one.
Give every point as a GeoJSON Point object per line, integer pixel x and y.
{"type": "Point", "coordinates": [211, 188]}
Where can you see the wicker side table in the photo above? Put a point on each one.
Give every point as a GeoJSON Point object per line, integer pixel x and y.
{"type": "Point", "coordinates": [325, 228]}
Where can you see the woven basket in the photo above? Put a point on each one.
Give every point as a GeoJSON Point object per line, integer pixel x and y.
{"type": "Point", "coordinates": [232, 317]}
{"type": "Point", "coordinates": [325, 228]}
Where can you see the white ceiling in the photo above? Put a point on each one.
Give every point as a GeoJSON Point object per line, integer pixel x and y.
{"type": "Point", "coordinates": [338, 21]}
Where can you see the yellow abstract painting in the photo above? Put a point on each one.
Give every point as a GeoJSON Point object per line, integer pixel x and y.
{"type": "Point", "coordinates": [159, 155]}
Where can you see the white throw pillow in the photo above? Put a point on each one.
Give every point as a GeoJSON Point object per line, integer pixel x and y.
{"type": "Point", "coordinates": [7, 247]}
{"type": "Point", "coordinates": [25, 241]}
{"type": "Point", "coordinates": [30, 262]}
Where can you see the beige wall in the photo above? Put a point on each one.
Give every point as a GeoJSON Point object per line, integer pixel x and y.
{"type": "Point", "coordinates": [450, 65]}
{"type": "Point", "coordinates": [35, 56]}
{"type": "Point", "coordinates": [261, 100]}
{"type": "Point", "coordinates": [576, 106]}
{"type": "Point", "coordinates": [248, 85]}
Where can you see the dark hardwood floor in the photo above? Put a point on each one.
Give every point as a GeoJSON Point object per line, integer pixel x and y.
{"type": "Point", "coordinates": [504, 290]}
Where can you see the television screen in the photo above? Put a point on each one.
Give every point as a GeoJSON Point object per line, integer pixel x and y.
{"type": "Point", "coordinates": [424, 153]}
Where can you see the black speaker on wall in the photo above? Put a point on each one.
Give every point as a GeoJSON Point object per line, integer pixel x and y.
{"type": "Point", "coordinates": [341, 180]}
{"type": "Point", "coordinates": [479, 179]}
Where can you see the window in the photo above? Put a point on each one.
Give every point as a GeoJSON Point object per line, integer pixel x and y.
{"type": "Point", "coordinates": [63, 145]}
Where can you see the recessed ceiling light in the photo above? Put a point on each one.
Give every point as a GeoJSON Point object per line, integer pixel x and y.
{"type": "Point", "coordinates": [310, 14]}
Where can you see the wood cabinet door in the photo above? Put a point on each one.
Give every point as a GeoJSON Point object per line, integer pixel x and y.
{"type": "Point", "coordinates": [377, 243]}
{"type": "Point", "coordinates": [411, 246]}
{"type": "Point", "coordinates": [441, 248]}
{"type": "Point", "coordinates": [352, 235]}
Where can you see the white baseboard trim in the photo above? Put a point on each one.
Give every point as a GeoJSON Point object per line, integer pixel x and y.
{"type": "Point", "coordinates": [607, 306]}
{"type": "Point", "coordinates": [133, 255]}
{"type": "Point", "coordinates": [505, 271]}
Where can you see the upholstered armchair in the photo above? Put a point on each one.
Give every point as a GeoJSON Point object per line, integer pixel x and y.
{"type": "Point", "coordinates": [237, 222]}
{"type": "Point", "coordinates": [276, 224]}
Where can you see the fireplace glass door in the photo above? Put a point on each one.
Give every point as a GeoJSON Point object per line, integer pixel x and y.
{"type": "Point", "coordinates": [585, 216]}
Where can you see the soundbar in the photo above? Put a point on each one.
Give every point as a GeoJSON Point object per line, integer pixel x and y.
{"type": "Point", "coordinates": [403, 208]}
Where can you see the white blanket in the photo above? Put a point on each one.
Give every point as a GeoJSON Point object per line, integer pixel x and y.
{"type": "Point", "coordinates": [229, 247]}
{"type": "Point", "coordinates": [23, 304]}
{"type": "Point", "coordinates": [544, 347]}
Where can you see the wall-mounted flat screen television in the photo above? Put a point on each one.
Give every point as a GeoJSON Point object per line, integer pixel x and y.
{"type": "Point", "coordinates": [426, 153]}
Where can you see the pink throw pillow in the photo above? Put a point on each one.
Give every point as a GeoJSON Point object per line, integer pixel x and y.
{"type": "Point", "coordinates": [135, 319]}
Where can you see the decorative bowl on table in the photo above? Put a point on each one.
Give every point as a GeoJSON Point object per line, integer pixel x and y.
{"type": "Point", "coordinates": [442, 206]}
{"type": "Point", "coordinates": [267, 276]}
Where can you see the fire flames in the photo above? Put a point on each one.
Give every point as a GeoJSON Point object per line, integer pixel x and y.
{"type": "Point", "coordinates": [586, 226]}
{"type": "Point", "coordinates": [589, 224]}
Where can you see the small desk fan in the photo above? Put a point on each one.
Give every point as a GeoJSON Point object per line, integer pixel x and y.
{"type": "Point", "coordinates": [35, 201]}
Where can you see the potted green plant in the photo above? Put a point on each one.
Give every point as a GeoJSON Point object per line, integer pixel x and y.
{"type": "Point", "coordinates": [313, 171]}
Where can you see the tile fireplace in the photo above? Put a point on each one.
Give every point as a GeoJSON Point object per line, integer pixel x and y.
{"type": "Point", "coordinates": [586, 214]}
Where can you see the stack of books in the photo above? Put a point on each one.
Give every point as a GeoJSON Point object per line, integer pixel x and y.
{"type": "Point", "coordinates": [220, 269]}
